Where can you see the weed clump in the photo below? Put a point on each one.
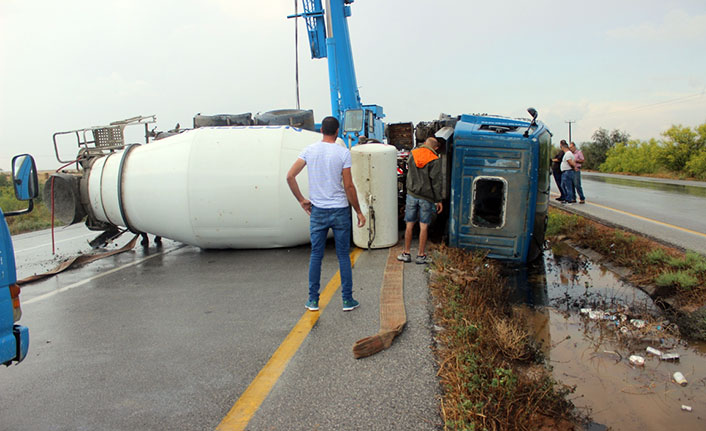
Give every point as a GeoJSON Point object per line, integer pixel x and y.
{"type": "Point", "coordinates": [682, 274]}
{"type": "Point", "coordinates": [679, 279]}
{"type": "Point", "coordinates": [485, 353]}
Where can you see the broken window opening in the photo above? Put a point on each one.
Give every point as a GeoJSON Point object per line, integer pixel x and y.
{"type": "Point", "coordinates": [489, 201]}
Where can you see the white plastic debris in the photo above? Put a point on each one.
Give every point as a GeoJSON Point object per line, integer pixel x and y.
{"type": "Point", "coordinates": [595, 314]}
{"type": "Point", "coordinates": [636, 360]}
{"type": "Point", "coordinates": [679, 378]}
{"type": "Point", "coordinates": [653, 351]}
{"type": "Point", "coordinates": [670, 357]}
{"type": "Point", "coordinates": [585, 310]}
{"type": "Point", "coordinates": [686, 408]}
{"type": "Point", "coordinates": [624, 329]}
{"type": "Point", "coordinates": [638, 323]}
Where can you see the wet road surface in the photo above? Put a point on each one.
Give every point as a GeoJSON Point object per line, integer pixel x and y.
{"type": "Point", "coordinates": [672, 211]}
{"type": "Point", "coordinates": [169, 338]}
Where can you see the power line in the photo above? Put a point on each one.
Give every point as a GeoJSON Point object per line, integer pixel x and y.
{"type": "Point", "coordinates": [650, 105]}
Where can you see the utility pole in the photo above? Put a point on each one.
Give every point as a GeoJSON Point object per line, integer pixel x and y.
{"type": "Point", "coordinates": [570, 122]}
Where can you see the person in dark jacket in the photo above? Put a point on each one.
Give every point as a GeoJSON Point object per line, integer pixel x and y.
{"type": "Point", "coordinates": [424, 194]}
{"type": "Point", "coordinates": [556, 172]}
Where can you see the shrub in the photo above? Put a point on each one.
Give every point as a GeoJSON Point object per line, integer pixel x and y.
{"type": "Point", "coordinates": [696, 166]}
{"type": "Point", "coordinates": [680, 144]}
{"type": "Point", "coordinates": [637, 157]}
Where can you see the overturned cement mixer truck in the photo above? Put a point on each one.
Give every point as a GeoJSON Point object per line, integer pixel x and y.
{"type": "Point", "coordinates": [223, 185]}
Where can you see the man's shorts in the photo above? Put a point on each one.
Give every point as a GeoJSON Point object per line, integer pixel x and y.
{"type": "Point", "coordinates": [420, 210]}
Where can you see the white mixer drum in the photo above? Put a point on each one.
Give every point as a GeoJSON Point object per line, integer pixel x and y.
{"type": "Point", "coordinates": [212, 187]}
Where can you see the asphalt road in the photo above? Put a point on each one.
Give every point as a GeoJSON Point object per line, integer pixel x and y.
{"type": "Point", "coordinates": [168, 338]}
{"type": "Point", "coordinates": [670, 211]}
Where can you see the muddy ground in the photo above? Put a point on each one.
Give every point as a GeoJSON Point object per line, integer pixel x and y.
{"type": "Point", "coordinates": [589, 323]}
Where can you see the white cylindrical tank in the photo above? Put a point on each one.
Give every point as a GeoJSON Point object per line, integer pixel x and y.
{"type": "Point", "coordinates": [212, 187]}
{"type": "Point", "coordinates": [374, 171]}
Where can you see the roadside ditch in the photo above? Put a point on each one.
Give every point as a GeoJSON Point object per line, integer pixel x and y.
{"type": "Point", "coordinates": [579, 340]}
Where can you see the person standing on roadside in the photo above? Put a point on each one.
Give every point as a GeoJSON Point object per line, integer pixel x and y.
{"type": "Point", "coordinates": [424, 191]}
{"type": "Point", "coordinates": [556, 173]}
{"type": "Point", "coordinates": [567, 174]}
{"type": "Point", "coordinates": [578, 155]}
{"type": "Point", "coordinates": [331, 189]}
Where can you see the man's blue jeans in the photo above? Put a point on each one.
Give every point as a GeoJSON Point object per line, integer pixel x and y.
{"type": "Point", "coordinates": [567, 183]}
{"type": "Point", "coordinates": [577, 185]}
{"type": "Point", "coordinates": [338, 219]}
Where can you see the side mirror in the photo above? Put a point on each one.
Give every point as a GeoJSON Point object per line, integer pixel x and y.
{"type": "Point", "coordinates": [533, 113]}
{"type": "Point", "coordinates": [24, 177]}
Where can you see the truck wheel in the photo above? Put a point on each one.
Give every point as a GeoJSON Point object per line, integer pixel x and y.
{"type": "Point", "coordinates": [222, 120]}
{"type": "Point", "coordinates": [303, 119]}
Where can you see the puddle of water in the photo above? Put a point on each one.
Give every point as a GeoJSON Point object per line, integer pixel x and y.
{"type": "Point", "coordinates": [592, 355]}
{"type": "Point", "coordinates": [654, 185]}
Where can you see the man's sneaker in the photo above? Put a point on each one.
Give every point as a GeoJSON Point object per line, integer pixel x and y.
{"type": "Point", "coordinates": [404, 257]}
{"type": "Point", "coordinates": [421, 260]}
{"type": "Point", "coordinates": [583, 201]}
{"type": "Point", "coordinates": [350, 304]}
{"type": "Point", "coordinates": [312, 305]}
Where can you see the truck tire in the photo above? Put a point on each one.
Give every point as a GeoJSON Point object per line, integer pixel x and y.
{"type": "Point", "coordinates": [222, 120]}
{"type": "Point", "coordinates": [300, 118]}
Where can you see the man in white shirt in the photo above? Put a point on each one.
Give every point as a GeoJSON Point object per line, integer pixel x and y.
{"type": "Point", "coordinates": [331, 188]}
{"type": "Point", "coordinates": [568, 164]}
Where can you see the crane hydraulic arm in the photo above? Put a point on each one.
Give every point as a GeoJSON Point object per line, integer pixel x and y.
{"type": "Point", "coordinates": [329, 38]}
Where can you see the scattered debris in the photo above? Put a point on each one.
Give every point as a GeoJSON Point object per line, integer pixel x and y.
{"type": "Point", "coordinates": [637, 360]}
{"type": "Point", "coordinates": [670, 357]}
{"type": "Point", "coordinates": [686, 408]}
{"type": "Point", "coordinates": [596, 314]}
{"type": "Point", "coordinates": [679, 378]}
{"type": "Point", "coordinates": [638, 323]}
{"type": "Point", "coordinates": [653, 351]}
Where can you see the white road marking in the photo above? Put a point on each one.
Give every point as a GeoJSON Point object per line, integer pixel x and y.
{"type": "Point", "coordinates": [95, 277]}
{"type": "Point", "coordinates": [56, 242]}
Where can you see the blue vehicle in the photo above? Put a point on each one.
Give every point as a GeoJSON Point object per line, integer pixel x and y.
{"type": "Point", "coordinates": [14, 338]}
{"type": "Point", "coordinates": [329, 38]}
{"type": "Point", "coordinates": [500, 186]}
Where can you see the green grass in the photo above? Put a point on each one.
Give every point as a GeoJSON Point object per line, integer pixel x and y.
{"type": "Point", "coordinates": [561, 223]}
{"type": "Point", "coordinates": [657, 255]}
{"type": "Point", "coordinates": [39, 218]}
{"type": "Point", "coordinates": [681, 279]}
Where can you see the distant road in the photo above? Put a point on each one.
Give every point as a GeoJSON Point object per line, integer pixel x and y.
{"type": "Point", "coordinates": [671, 211]}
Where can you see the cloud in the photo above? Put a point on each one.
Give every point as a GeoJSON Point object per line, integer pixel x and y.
{"type": "Point", "coordinates": [641, 119]}
{"type": "Point", "coordinates": [677, 25]}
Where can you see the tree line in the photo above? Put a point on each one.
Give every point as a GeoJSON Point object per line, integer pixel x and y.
{"type": "Point", "coordinates": [681, 152]}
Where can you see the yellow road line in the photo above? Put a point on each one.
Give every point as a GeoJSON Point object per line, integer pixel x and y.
{"type": "Point", "coordinates": [683, 229]}
{"type": "Point", "coordinates": [248, 403]}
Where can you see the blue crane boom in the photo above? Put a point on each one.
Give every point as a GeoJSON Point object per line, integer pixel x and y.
{"type": "Point", "coordinates": [329, 38]}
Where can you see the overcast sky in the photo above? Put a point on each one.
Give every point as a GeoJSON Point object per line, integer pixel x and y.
{"type": "Point", "coordinates": [639, 66]}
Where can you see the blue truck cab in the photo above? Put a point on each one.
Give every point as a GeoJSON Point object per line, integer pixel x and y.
{"type": "Point", "coordinates": [14, 338]}
{"type": "Point", "coordinates": [500, 186]}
